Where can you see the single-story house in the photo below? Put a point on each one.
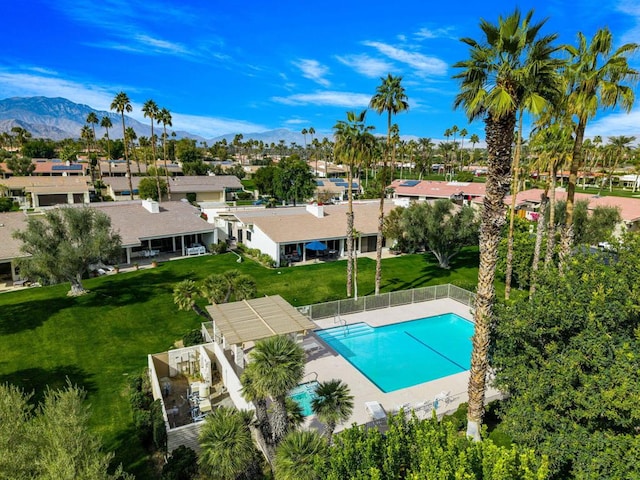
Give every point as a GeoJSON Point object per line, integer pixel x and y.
{"type": "Point", "coordinates": [203, 188]}
{"type": "Point", "coordinates": [335, 188]}
{"type": "Point", "coordinates": [118, 168]}
{"type": "Point", "coordinates": [51, 168]}
{"type": "Point", "coordinates": [149, 226]}
{"type": "Point", "coordinates": [45, 191]}
{"type": "Point", "coordinates": [529, 200]}
{"type": "Point", "coordinates": [462, 192]}
{"type": "Point", "coordinates": [285, 233]}
{"type": "Point", "coordinates": [145, 226]}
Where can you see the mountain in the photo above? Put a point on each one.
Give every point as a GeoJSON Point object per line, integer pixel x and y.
{"type": "Point", "coordinates": [59, 118]}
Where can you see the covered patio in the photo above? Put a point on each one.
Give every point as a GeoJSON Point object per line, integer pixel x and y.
{"type": "Point", "coordinates": [237, 326]}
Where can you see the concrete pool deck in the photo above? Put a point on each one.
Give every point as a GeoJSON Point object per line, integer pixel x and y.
{"type": "Point", "coordinates": [325, 364]}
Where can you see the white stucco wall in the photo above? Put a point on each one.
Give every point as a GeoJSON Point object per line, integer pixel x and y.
{"type": "Point", "coordinates": [262, 242]}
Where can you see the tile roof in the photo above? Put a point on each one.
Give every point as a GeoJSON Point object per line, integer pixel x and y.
{"type": "Point", "coordinates": [46, 184]}
{"type": "Point", "coordinates": [435, 189]}
{"type": "Point", "coordinates": [9, 223]}
{"type": "Point", "coordinates": [185, 184]}
{"type": "Point", "coordinates": [295, 224]}
{"type": "Point", "coordinates": [629, 207]}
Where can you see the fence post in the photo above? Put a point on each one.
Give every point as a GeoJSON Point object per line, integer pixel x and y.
{"type": "Point", "coordinates": [448, 290]}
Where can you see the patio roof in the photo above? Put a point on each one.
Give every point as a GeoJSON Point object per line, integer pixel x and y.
{"type": "Point", "coordinates": [258, 318]}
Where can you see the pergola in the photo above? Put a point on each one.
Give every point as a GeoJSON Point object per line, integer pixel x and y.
{"type": "Point", "coordinates": [239, 324]}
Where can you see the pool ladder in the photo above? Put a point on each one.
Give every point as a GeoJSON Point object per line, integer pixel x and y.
{"type": "Point", "coordinates": [340, 321]}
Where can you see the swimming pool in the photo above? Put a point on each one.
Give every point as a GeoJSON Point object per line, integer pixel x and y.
{"type": "Point", "coordinates": [405, 354]}
{"type": "Point", "coordinates": [303, 394]}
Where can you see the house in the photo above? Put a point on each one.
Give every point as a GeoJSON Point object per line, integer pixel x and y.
{"type": "Point", "coordinates": [146, 227]}
{"type": "Point", "coordinates": [45, 191]}
{"type": "Point", "coordinates": [284, 233]}
{"type": "Point", "coordinates": [199, 189]}
{"type": "Point", "coordinates": [118, 168]}
{"type": "Point", "coordinates": [419, 190]}
{"type": "Point", "coordinates": [335, 188]}
{"type": "Point", "coordinates": [529, 201]}
{"type": "Point", "coordinates": [51, 168]}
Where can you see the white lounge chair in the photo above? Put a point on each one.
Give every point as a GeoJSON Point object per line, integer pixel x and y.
{"type": "Point", "coordinates": [375, 410]}
{"type": "Point", "coordinates": [442, 397]}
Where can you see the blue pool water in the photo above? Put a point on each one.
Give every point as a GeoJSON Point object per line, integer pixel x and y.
{"type": "Point", "coordinates": [405, 354]}
{"type": "Point", "coordinates": [303, 394]}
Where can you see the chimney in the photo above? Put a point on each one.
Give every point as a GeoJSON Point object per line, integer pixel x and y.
{"type": "Point", "coordinates": [315, 209]}
{"type": "Point", "coordinates": [151, 205]}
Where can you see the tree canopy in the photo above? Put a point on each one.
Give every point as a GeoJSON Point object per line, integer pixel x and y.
{"type": "Point", "coordinates": [569, 360]}
{"type": "Point", "coordinates": [52, 441]}
{"type": "Point", "coordinates": [293, 180]}
{"type": "Point", "coordinates": [148, 187]}
{"type": "Point", "coordinates": [64, 242]}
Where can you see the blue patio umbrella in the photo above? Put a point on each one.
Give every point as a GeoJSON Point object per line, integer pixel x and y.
{"type": "Point", "coordinates": [315, 245]}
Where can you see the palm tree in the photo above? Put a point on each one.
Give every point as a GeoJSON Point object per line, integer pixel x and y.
{"type": "Point", "coordinates": [164, 117]}
{"type": "Point", "coordinates": [278, 365]}
{"type": "Point", "coordinates": [86, 135]}
{"type": "Point", "coordinates": [621, 147]}
{"type": "Point", "coordinates": [121, 104]}
{"type": "Point", "coordinates": [185, 294]}
{"type": "Point", "coordinates": [463, 133]}
{"type": "Point", "coordinates": [491, 89]}
{"type": "Point", "coordinates": [353, 145]}
{"type": "Point", "coordinates": [218, 288]}
{"type": "Point", "coordinates": [106, 124]}
{"type": "Point", "coordinates": [333, 404]}
{"type": "Point", "coordinates": [390, 97]}
{"type": "Point", "coordinates": [92, 119]}
{"type": "Point", "coordinates": [21, 135]}
{"type": "Point", "coordinates": [252, 394]}
{"type": "Point", "coordinates": [597, 78]}
{"type": "Point", "coordinates": [454, 131]}
{"type": "Point", "coordinates": [426, 153]}
{"type": "Point", "coordinates": [151, 111]}
{"type": "Point", "coordinates": [474, 139]}
{"type": "Point", "coordinates": [298, 456]}
{"type": "Point", "coordinates": [227, 449]}
{"type": "Point", "coordinates": [131, 137]}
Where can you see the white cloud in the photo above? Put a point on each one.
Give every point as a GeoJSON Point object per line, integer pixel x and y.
{"type": "Point", "coordinates": [313, 70]}
{"type": "Point", "coordinates": [213, 126]}
{"type": "Point", "coordinates": [161, 46]}
{"type": "Point", "coordinates": [366, 65]}
{"type": "Point", "coordinates": [430, 33]}
{"type": "Point", "coordinates": [616, 124]}
{"type": "Point", "coordinates": [329, 98]}
{"type": "Point", "coordinates": [423, 64]}
{"type": "Point", "coordinates": [296, 121]}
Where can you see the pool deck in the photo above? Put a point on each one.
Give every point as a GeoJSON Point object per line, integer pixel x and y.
{"type": "Point", "coordinates": [327, 364]}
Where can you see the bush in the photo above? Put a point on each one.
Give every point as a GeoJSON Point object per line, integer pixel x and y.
{"type": "Point", "coordinates": [466, 177]}
{"type": "Point", "coordinates": [500, 438]}
{"type": "Point", "coordinates": [218, 248]}
{"type": "Point", "coordinates": [191, 197]}
{"type": "Point", "coordinates": [159, 428]}
{"type": "Point", "coordinates": [7, 204]}
{"type": "Point", "coordinates": [193, 337]}
{"type": "Point", "coordinates": [244, 195]}
{"type": "Point", "coordinates": [182, 465]}
{"type": "Point", "coordinates": [458, 418]}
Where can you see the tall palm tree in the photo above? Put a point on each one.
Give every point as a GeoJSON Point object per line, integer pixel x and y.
{"type": "Point", "coordinates": [598, 78]}
{"type": "Point", "coordinates": [353, 145]}
{"type": "Point", "coordinates": [252, 394]}
{"type": "Point", "coordinates": [298, 455]}
{"type": "Point", "coordinates": [463, 133]}
{"type": "Point", "coordinates": [390, 97]}
{"type": "Point", "coordinates": [121, 104]}
{"type": "Point", "coordinates": [185, 294]}
{"type": "Point", "coordinates": [490, 89]}
{"type": "Point", "coordinates": [164, 117]}
{"type": "Point", "coordinates": [227, 449]}
{"type": "Point", "coordinates": [426, 154]}
{"type": "Point", "coordinates": [105, 123]}
{"type": "Point", "coordinates": [333, 404]}
{"type": "Point", "coordinates": [278, 365]}
{"type": "Point", "coordinates": [131, 137]}
{"type": "Point", "coordinates": [150, 110]}
{"type": "Point", "coordinates": [474, 139]}
{"type": "Point", "coordinates": [92, 119]}
{"type": "Point", "coordinates": [86, 134]}
{"type": "Point", "coordinates": [621, 145]}
{"type": "Point", "coordinates": [454, 131]}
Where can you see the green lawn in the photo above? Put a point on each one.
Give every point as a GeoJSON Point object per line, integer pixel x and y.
{"type": "Point", "coordinates": [99, 340]}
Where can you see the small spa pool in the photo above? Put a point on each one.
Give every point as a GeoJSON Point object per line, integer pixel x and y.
{"type": "Point", "coordinates": [303, 394]}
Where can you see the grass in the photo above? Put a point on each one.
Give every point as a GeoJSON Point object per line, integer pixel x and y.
{"type": "Point", "coordinates": [99, 340]}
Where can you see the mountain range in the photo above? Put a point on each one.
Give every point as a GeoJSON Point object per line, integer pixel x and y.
{"type": "Point", "coordinates": [59, 118]}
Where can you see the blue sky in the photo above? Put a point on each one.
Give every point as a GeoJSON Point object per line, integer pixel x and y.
{"type": "Point", "coordinates": [249, 66]}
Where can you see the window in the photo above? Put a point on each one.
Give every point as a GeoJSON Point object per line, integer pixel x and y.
{"type": "Point", "coordinates": [248, 236]}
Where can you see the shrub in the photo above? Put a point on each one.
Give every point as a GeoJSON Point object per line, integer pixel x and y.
{"type": "Point", "coordinates": [7, 204]}
{"type": "Point", "coordinates": [466, 177]}
{"type": "Point", "coordinates": [458, 418]}
{"type": "Point", "coordinates": [193, 337]}
{"type": "Point", "coordinates": [191, 197]}
{"type": "Point", "coordinates": [182, 465]}
{"type": "Point", "coordinates": [218, 248]}
{"type": "Point", "coordinates": [159, 428]}
{"type": "Point", "coordinates": [244, 195]}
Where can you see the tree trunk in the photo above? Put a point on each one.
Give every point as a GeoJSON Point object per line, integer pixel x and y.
{"type": "Point", "coordinates": [349, 234]}
{"type": "Point", "coordinates": [331, 426]}
{"type": "Point", "coordinates": [279, 425]}
{"type": "Point", "coordinates": [512, 211]}
{"type": "Point", "coordinates": [551, 229]}
{"type": "Point", "coordinates": [164, 156]}
{"type": "Point", "coordinates": [76, 286]}
{"type": "Point", "coordinates": [576, 162]}
{"type": "Point", "coordinates": [538, 245]}
{"type": "Point", "coordinates": [499, 133]}
{"type": "Point", "coordinates": [379, 237]}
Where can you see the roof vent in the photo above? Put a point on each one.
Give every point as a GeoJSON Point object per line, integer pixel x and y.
{"type": "Point", "coordinates": [151, 205]}
{"type": "Point", "coordinates": [316, 210]}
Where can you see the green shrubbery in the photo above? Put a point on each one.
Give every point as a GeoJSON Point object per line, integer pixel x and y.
{"type": "Point", "coordinates": [257, 255]}
{"type": "Point", "coordinates": [193, 337]}
{"type": "Point", "coordinates": [181, 465]}
{"type": "Point", "coordinates": [218, 248]}
{"type": "Point", "coordinates": [147, 414]}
